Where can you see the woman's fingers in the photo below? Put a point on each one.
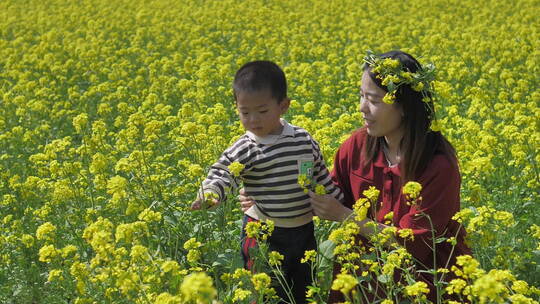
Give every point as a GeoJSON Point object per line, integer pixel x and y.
{"type": "Point", "coordinates": [242, 196]}
{"type": "Point", "coordinates": [245, 201]}
{"type": "Point", "coordinates": [319, 202]}
{"type": "Point", "coordinates": [245, 205]}
{"type": "Point", "coordinates": [327, 207]}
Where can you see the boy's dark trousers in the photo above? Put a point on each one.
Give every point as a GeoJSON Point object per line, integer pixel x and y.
{"type": "Point", "coordinates": [291, 243]}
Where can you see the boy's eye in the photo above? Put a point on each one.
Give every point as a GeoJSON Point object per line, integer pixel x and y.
{"type": "Point", "coordinates": [262, 112]}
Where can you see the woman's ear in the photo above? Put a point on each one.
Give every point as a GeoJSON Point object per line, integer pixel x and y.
{"type": "Point", "coordinates": [400, 109]}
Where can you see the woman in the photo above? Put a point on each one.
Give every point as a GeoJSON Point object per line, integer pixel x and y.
{"type": "Point", "coordinates": [396, 145]}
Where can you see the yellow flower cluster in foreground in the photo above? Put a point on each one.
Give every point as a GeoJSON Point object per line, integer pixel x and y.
{"type": "Point", "coordinates": [111, 113]}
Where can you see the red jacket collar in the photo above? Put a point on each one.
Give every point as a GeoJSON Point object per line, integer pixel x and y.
{"type": "Point", "coordinates": [381, 162]}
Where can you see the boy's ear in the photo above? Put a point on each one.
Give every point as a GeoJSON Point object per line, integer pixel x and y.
{"type": "Point", "coordinates": [284, 105]}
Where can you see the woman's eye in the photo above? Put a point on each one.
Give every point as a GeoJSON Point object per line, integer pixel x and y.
{"type": "Point", "coordinates": [262, 112]}
{"type": "Point", "coordinates": [368, 99]}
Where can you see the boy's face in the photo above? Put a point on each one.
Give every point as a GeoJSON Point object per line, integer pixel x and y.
{"type": "Point", "coordinates": [260, 112]}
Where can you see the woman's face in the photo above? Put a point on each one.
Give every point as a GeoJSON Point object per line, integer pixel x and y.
{"type": "Point", "coordinates": [380, 119]}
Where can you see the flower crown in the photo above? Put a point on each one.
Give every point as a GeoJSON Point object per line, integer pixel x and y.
{"type": "Point", "coordinates": [393, 74]}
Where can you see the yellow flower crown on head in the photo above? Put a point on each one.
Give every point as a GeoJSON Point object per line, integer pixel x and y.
{"type": "Point", "coordinates": [393, 75]}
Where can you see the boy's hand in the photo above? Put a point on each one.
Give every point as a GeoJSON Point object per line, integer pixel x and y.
{"type": "Point", "coordinates": [207, 204]}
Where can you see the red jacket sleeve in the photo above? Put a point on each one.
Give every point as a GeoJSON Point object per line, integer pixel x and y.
{"type": "Point", "coordinates": [342, 166]}
{"type": "Point", "coordinates": [440, 201]}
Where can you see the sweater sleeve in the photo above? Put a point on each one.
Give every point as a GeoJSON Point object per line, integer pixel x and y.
{"type": "Point", "coordinates": [220, 180]}
{"type": "Point", "coordinates": [321, 174]}
{"type": "Point", "coordinates": [439, 202]}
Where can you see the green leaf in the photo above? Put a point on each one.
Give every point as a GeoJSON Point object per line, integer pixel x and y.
{"type": "Point", "coordinates": [326, 249]}
{"type": "Point", "coordinates": [440, 240]}
{"type": "Point", "coordinates": [383, 278]}
{"type": "Point", "coordinates": [391, 86]}
{"type": "Point", "coordinates": [431, 271]}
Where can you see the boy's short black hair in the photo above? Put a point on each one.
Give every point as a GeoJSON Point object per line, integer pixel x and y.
{"type": "Point", "coordinates": [261, 75]}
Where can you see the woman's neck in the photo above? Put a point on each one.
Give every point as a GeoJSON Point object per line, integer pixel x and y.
{"type": "Point", "coordinates": [392, 148]}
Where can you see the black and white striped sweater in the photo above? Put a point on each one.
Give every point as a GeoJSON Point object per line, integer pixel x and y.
{"type": "Point", "coordinates": [272, 165]}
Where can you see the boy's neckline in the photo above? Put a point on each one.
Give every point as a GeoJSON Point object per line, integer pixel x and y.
{"type": "Point", "coordinates": [287, 130]}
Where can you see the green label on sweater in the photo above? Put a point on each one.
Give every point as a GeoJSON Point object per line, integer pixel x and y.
{"type": "Point", "coordinates": [306, 168]}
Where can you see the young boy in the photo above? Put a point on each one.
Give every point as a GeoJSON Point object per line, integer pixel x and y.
{"type": "Point", "coordinates": [274, 153]}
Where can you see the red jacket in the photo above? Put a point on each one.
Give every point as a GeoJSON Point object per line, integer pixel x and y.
{"type": "Point", "coordinates": [440, 198]}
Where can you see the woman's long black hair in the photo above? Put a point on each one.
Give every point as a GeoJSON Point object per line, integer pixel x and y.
{"type": "Point", "coordinates": [419, 143]}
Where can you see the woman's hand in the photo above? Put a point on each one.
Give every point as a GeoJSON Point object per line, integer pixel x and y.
{"type": "Point", "coordinates": [328, 207]}
{"type": "Point", "coordinates": [245, 201]}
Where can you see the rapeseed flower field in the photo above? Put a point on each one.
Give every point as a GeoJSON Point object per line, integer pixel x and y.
{"type": "Point", "coordinates": [111, 113]}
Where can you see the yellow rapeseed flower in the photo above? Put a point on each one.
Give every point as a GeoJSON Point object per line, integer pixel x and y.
{"type": "Point", "coordinates": [80, 122]}
{"type": "Point", "coordinates": [170, 266]}
{"type": "Point", "coordinates": [309, 256]}
{"type": "Point", "coordinates": [372, 194]}
{"type": "Point", "coordinates": [241, 294]}
{"type": "Point", "coordinates": [198, 288]}
{"type": "Point", "coordinates": [275, 258]}
{"type": "Point", "coordinates": [253, 229]}
{"type": "Point", "coordinates": [361, 208]}
{"type": "Point", "coordinates": [344, 283]}
{"type": "Point", "coordinates": [456, 286]}
{"type": "Point", "coordinates": [192, 243]}
{"type": "Point", "coordinates": [320, 190]}
{"type": "Point", "coordinates": [167, 298]}
{"type": "Point", "coordinates": [149, 216]}
{"type": "Point", "coordinates": [304, 182]}
{"type": "Point", "coordinates": [389, 98]}
{"type": "Point", "coordinates": [406, 233]}
{"type": "Point", "coordinates": [45, 231]}
{"type": "Point", "coordinates": [47, 253]}
{"type": "Point", "coordinates": [55, 274]}
{"type": "Point", "coordinates": [411, 190]}
{"type": "Point", "coordinates": [417, 289]}
{"type": "Point", "coordinates": [236, 168]}
{"type": "Point", "coordinates": [261, 281]}
{"type": "Point", "coordinates": [27, 240]}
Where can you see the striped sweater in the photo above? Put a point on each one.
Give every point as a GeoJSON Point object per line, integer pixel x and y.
{"type": "Point", "coordinates": [272, 165]}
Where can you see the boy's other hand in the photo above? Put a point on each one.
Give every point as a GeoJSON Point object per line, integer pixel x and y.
{"type": "Point", "coordinates": [245, 201]}
{"type": "Point", "coordinates": [196, 205]}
